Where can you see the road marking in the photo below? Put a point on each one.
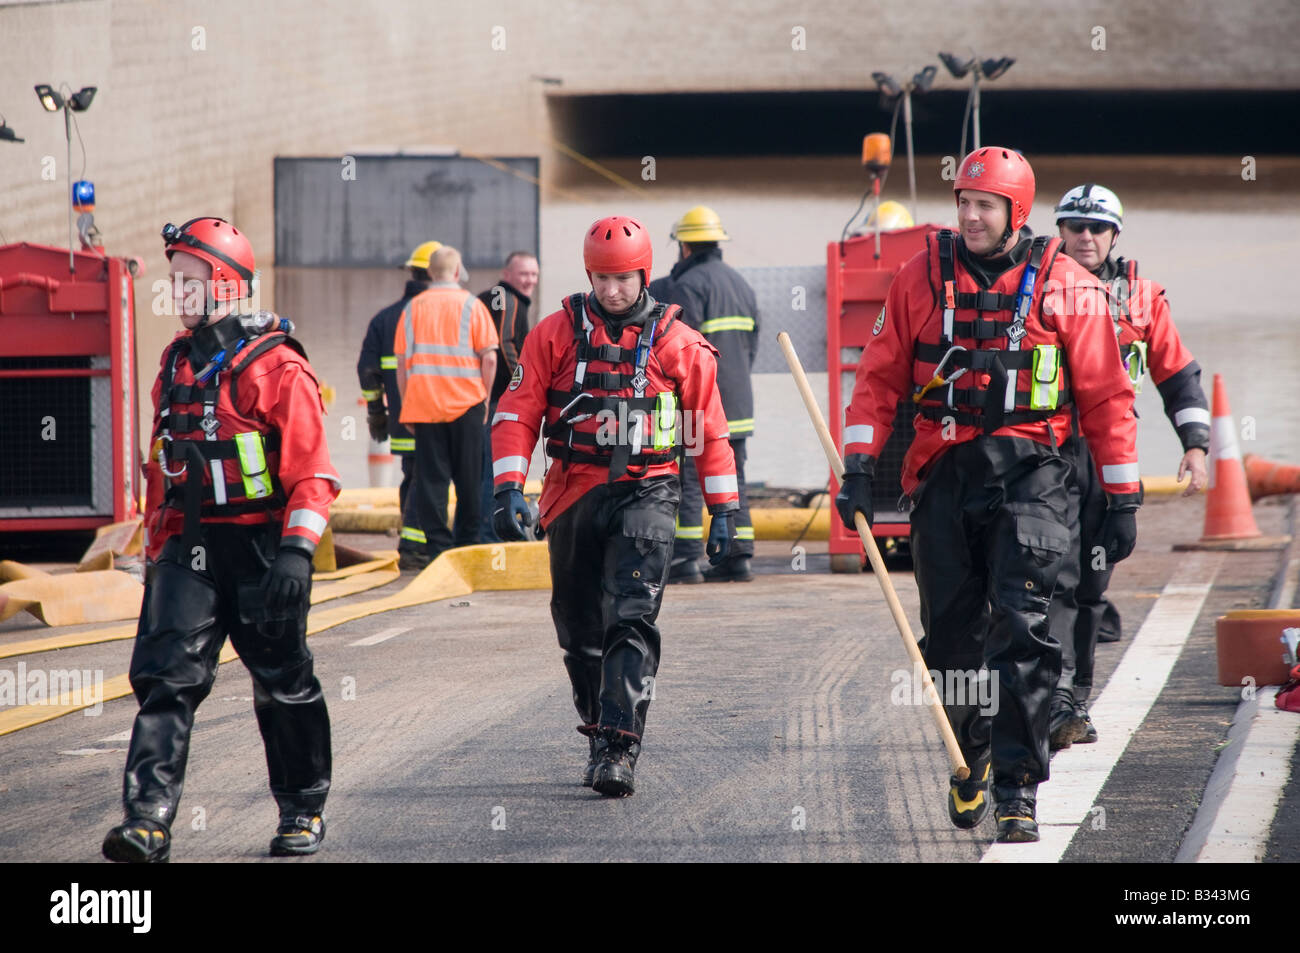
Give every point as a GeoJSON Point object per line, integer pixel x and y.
{"type": "Point", "coordinates": [86, 751]}
{"type": "Point", "coordinates": [1245, 789]}
{"type": "Point", "coordinates": [382, 636]}
{"type": "Point", "coordinates": [1065, 803]}
{"type": "Point", "coordinates": [1266, 739]}
{"type": "Point", "coordinates": [120, 736]}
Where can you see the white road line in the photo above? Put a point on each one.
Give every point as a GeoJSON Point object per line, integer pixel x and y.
{"type": "Point", "coordinates": [383, 636]}
{"type": "Point", "coordinates": [1239, 832]}
{"type": "Point", "coordinates": [1066, 802]}
{"type": "Point", "coordinates": [120, 736]}
{"type": "Point", "coordinates": [86, 751]}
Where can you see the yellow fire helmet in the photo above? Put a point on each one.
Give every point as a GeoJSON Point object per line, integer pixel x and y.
{"type": "Point", "coordinates": [420, 257]}
{"type": "Point", "coordinates": [892, 215]}
{"type": "Point", "coordinates": [700, 224]}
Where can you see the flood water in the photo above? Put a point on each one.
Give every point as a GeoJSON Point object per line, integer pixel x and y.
{"type": "Point", "coordinates": [1226, 249]}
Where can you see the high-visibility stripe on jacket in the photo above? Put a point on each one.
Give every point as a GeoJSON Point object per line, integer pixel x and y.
{"type": "Point", "coordinates": [377, 369]}
{"type": "Point", "coordinates": [440, 336]}
{"type": "Point", "coordinates": [1149, 343]}
{"type": "Point", "coordinates": [1064, 313]}
{"type": "Point", "coordinates": [277, 396]}
{"type": "Point", "coordinates": [719, 303]}
{"type": "Point", "coordinates": [680, 362]}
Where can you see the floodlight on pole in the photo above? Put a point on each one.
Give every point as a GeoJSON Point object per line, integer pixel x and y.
{"type": "Point", "coordinates": [890, 92]}
{"type": "Point", "coordinates": [53, 101]}
{"type": "Point", "coordinates": [988, 69]}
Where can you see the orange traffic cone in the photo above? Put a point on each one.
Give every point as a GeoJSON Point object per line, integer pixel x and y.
{"type": "Point", "coordinates": [1229, 522]}
{"type": "Point", "coordinates": [1270, 478]}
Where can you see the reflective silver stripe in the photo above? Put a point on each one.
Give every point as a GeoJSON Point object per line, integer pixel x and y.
{"type": "Point", "coordinates": [455, 350]}
{"type": "Point", "coordinates": [466, 312]}
{"type": "Point", "coordinates": [510, 465]}
{"type": "Point", "coordinates": [306, 519]}
{"type": "Point", "coordinates": [410, 332]}
{"type": "Point", "coordinates": [720, 484]}
{"type": "Point", "coordinates": [331, 477]}
{"type": "Point", "coordinates": [1192, 415]}
{"type": "Point", "coordinates": [438, 370]}
{"type": "Point", "coordinates": [218, 482]}
{"type": "Point", "coordinates": [502, 415]}
{"type": "Point", "coordinates": [859, 433]}
{"type": "Point", "coordinates": [1120, 473]}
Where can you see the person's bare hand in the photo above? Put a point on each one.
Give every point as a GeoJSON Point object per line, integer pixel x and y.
{"type": "Point", "coordinates": [1193, 465]}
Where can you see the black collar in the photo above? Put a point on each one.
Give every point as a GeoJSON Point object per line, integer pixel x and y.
{"type": "Point", "coordinates": [697, 258]}
{"type": "Point", "coordinates": [206, 342]}
{"type": "Point", "coordinates": [633, 317]}
{"type": "Point", "coordinates": [987, 269]}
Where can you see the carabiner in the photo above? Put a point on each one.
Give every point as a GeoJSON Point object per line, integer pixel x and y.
{"type": "Point", "coordinates": [162, 457]}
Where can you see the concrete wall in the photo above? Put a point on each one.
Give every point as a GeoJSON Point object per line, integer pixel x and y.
{"type": "Point", "coordinates": [196, 98]}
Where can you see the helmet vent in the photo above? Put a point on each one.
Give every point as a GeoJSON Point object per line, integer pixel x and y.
{"type": "Point", "coordinates": [627, 231]}
{"type": "Point", "coordinates": [609, 233]}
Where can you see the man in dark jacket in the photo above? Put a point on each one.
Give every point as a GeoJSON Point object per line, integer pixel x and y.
{"type": "Point", "coordinates": [719, 303]}
{"type": "Point", "coordinates": [377, 370]}
{"type": "Point", "coordinates": [508, 302]}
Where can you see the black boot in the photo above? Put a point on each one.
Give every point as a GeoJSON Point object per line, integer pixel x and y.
{"type": "Point", "coordinates": [1088, 734]}
{"type": "Point", "coordinates": [596, 745]}
{"type": "Point", "coordinates": [298, 834]}
{"type": "Point", "coordinates": [968, 801]}
{"type": "Point", "coordinates": [730, 570]}
{"type": "Point", "coordinates": [138, 841]}
{"type": "Point", "coordinates": [1064, 726]}
{"type": "Point", "coordinates": [1015, 813]}
{"type": "Point", "coordinates": [613, 777]}
{"type": "Point", "coordinates": [685, 572]}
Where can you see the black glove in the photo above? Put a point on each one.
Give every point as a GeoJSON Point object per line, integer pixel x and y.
{"type": "Point", "coordinates": [378, 424]}
{"type": "Point", "coordinates": [722, 530]}
{"type": "Point", "coordinates": [1119, 533]}
{"type": "Point", "coordinates": [511, 511]}
{"type": "Point", "coordinates": [285, 584]}
{"type": "Point", "coordinates": [855, 490]}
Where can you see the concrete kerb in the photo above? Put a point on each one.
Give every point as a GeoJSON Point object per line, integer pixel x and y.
{"type": "Point", "coordinates": [1236, 813]}
{"type": "Point", "coordinates": [457, 572]}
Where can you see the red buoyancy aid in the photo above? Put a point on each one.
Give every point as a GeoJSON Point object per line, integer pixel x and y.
{"type": "Point", "coordinates": [251, 424]}
{"type": "Point", "coordinates": [1009, 359]}
{"type": "Point", "coordinates": [610, 409]}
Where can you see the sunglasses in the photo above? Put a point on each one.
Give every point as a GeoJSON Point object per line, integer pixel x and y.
{"type": "Point", "coordinates": [1097, 228]}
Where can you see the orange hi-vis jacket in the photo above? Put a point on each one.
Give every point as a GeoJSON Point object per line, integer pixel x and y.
{"type": "Point", "coordinates": [439, 337]}
{"type": "Point", "coordinates": [586, 430]}
{"type": "Point", "coordinates": [1002, 376]}
{"type": "Point", "coordinates": [269, 389]}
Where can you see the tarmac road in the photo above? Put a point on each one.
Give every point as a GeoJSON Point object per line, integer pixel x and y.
{"type": "Point", "coordinates": [774, 734]}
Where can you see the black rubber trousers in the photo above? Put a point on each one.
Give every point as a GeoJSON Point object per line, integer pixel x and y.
{"type": "Point", "coordinates": [988, 536]}
{"type": "Point", "coordinates": [609, 562]}
{"type": "Point", "coordinates": [1079, 605]}
{"type": "Point", "coordinates": [190, 606]}
{"type": "Point", "coordinates": [691, 533]}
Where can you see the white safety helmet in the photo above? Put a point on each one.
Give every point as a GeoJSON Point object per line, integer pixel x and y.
{"type": "Point", "coordinates": [1095, 202]}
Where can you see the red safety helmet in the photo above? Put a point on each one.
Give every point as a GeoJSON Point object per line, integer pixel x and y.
{"type": "Point", "coordinates": [618, 244]}
{"type": "Point", "coordinates": [222, 246]}
{"type": "Point", "coordinates": [1003, 172]}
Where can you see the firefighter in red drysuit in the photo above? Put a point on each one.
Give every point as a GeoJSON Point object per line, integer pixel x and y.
{"type": "Point", "coordinates": [1090, 218]}
{"type": "Point", "coordinates": [617, 385]}
{"type": "Point", "coordinates": [239, 484]}
{"type": "Point", "coordinates": [994, 334]}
